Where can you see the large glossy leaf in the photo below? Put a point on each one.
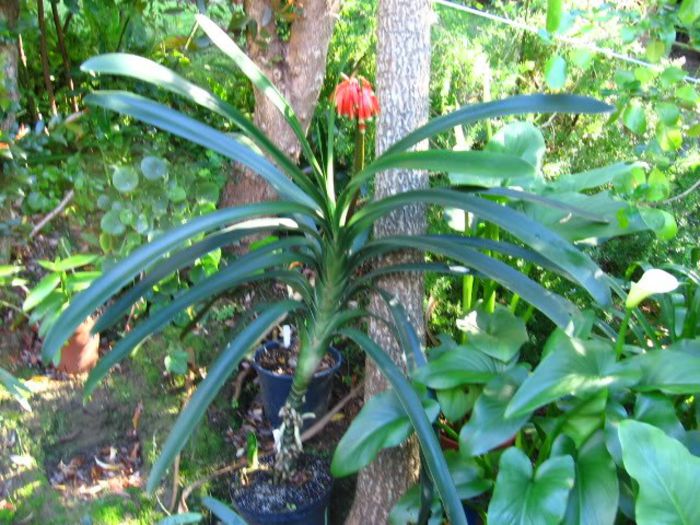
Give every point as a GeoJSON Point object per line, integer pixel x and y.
{"type": "Point", "coordinates": [168, 119]}
{"type": "Point", "coordinates": [668, 475]}
{"type": "Point", "coordinates": [550, 245]}
{"type": "Point", "coordinates": [15, 388]}
{"type": "Point", "coordinates": [260, 81]}
{"type": "Point", "coordinates": [121, 274]}
{"type": "Point", "coordinates": [406, 335]}
{"type": "Point", "coordinates": [556, 308]}
{"type": "Point", "coordinates": [671, 371]}
{"type": "Point", "coordinates": [217, 374]}
{"type": "Point", "coordinates": [478, 168]}
{"type": "Point", "coordinates": [658, 410]}
{"type": "Point", "coordinates": [594, 498]}
{"type": "Point", "coordinates": [571, 367]}
{"type": "Point", "coordinates": [517, 105]}
{"type": "Point", "coordinates": [521, 498]}
{"type": "Point", "coordinates": [523, 139]}
{"type": "Point", "coordinates": [457, 366]}
{"type": "Point", "coordinates": [248, 268]}
{"type": "Point", "coordinates": [382, 423]}
{"type": "Point", "coordinates": [149, 71]}
{"type": "Point", "coordinates": [432, 453]}
{"type": "Point", "coordinates": [499, 334]}
{"type": "Point", "coordinates": [488, 427]}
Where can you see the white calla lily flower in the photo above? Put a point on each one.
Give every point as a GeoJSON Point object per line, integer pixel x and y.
{"type": "Point", "coordinates": [652, 282]}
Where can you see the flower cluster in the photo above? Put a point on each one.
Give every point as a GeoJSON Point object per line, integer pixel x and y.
{"type": "Point", "coordinates": [355, 99]}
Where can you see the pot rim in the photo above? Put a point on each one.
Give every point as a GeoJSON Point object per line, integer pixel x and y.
{"type": "Point", "coordinates": [337, 356]}
{"type": "Point", "coordinates": [328, 489]}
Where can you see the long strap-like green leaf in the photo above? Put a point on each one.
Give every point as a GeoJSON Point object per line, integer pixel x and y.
{"type": "Point", "coordinates": [434, 458]}
{"type": "Point", "coordinates": [146, 70]}
{"type": "Point", "coordinates": [221, 40]}
{"type": "Point", "coordinates": [518, 105]}
{"type": "Point", "coordinates": [121, 274]}
{"type": "Point", "coordinates": [550, 245]}
{"type": "Point", "coordinates": [560, 311]}
{"type": "Point", "coordinates": [217, 374]}
{"type": "Point", "coordinates": [168, 119]}
{"type": "Point", "coordinates": [176, 261]}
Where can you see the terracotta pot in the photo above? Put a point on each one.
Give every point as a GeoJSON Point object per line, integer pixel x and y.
{"type": "Point", "coordinates": [80, 353]}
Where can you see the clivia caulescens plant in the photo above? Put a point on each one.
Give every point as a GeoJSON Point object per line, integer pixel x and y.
{"type": "Point", "coordinates": [315, 226]}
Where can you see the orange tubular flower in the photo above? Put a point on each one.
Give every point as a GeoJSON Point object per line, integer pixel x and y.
{"type": "Point", "coordinates": [355, 99]}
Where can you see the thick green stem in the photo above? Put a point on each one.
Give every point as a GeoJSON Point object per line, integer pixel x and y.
{"type": "Point", "coordinates": [620, 343]}
{"type": "Point", "coordinates": [313, 347]}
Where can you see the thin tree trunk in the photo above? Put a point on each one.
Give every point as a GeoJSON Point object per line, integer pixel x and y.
{"type": "Point", "coordinates": [297, 67]}
{"type": "Point", "coordinates": [403, 76]}
{"type": "Point", "coordinates": [9, 90]}
{"type": "Point", "coordinates": [45, 66]}
{"type": "Point", "coordinates": [64, 53]}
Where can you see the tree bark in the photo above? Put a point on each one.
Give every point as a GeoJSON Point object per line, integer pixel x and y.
{"type": "Point", "coordinates": [297, 67]}
{"type": "Point", "coordinates": [9, 93]}
{"type": "Point", "coordinates": [9, 90]}
{"type": "Point", "coordinates": [403, 76]}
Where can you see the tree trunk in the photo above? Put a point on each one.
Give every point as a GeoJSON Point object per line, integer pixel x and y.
{"type": "Point", "coordinates": [403, 76]}
{"type": "Point", "coordinates": [9, 91]}
{"type": "Point", "coordinates": [297, 67]}
{"type": "Point", "coordinates": [9, 102]}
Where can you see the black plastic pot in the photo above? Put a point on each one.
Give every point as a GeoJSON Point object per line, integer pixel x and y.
{"type": "Point", "coordinates": [312, 500]}
{"type": "Point", "coordinates": [275, 388]}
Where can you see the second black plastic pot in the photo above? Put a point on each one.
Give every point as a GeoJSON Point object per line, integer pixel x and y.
{"type": "Point", "coordinates": [275, 388]}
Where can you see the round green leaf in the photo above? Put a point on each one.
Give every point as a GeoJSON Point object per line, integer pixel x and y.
{"type": "Point", "coordinates": [111, 224]}
{"type": "Point", "coordinates": [126, 216]}
{"type": "Point", "coordinates": [154, 168]}
{"type": "Point", "coordinates": [125, 179]}
{"type": "Point", "coordinates": [634, 117]}
{"type": "Point", "coordinates": [555, 71]}
{"type": "Point", "coordinates": [103, 202]}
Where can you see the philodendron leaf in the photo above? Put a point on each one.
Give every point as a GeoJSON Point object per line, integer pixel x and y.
{"type": "Point", "coordinates": [671, 370]}
{"type": "Point", "coordinates": [668, 475]}
{"type": "Point", "coordinates": [381, 423]}
{"type": "Point", "coordinates": [523, 498]}
{"type": "Point", "coordinates": [522, 139]}
{"type": "Point", "coordinates": [459, 365]}
{"type": "Point", "coordinates": [658, 410]}
{"type": "Point", "coordinates": [488, 427]}
{"type": "Point", "coordinates": [454, 402]}
{"type": "Point", "coordinates": [594, 498]}
{"type": "Point", "coordinates": [499, 334]}
{"type": "Point", "coordinates": [571, 367]}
